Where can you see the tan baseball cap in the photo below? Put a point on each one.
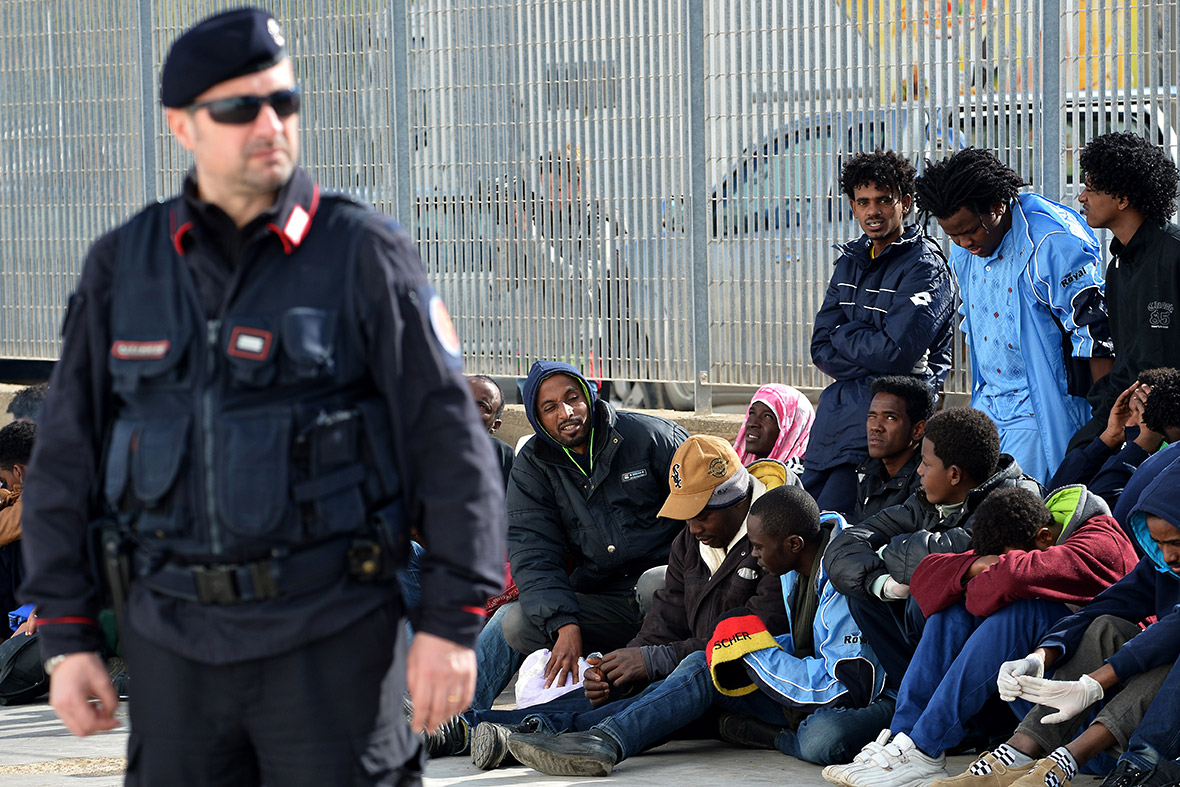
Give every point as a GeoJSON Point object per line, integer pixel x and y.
{"type": "Point", "coordinates": [705, 473]}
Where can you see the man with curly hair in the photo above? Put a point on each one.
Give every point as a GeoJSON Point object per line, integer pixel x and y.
{"type": "Point", "coordinates": [887, 310]}
{"type": "Point", "coordinates": [1032, 306]}
{"type": "Point", "coordinates": [1131, 190]}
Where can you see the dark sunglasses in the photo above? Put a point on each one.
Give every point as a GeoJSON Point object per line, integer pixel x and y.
{"type": "Point", "coordinates": [243, 109]}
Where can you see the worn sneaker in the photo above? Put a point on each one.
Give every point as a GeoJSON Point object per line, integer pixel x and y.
{"type": "Point", "coordinates": [898, 764]}
{"type": "Point", "coordinates": [1166, 774]}
{"type": "Point", "coordinates": [835, 773]}
{"type": "Point", "coordinates": [1045, 772]}
{"type": "Point", "coordinates": [452, 737]}
{"type": "Point", "coordinates": [742, 730]}
{"type": "Point", "coordinates": [1000, 775]}
{"type": "Point", "coordinates": [489, 744]}
{"type": "Point", "coordinates": [590, 753]}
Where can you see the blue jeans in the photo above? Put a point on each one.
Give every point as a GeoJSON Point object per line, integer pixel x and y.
{"type": "Point", "coordinates": [827, 736]}
{"type": "Point", "coordinates": [956, 664]}
{"type": "Point", "coordinates": [1157, 738]}
{"type": "Point", "coordinates": [495, 662]}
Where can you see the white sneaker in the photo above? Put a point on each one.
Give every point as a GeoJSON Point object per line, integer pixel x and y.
{"type": "Point", "coordinates": [835, 773]}
{"type": "Point", "coordinates": [898, 764]}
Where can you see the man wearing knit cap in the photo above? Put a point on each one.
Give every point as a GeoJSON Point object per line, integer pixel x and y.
{"type": "Point", "coordinates": [259, 396]}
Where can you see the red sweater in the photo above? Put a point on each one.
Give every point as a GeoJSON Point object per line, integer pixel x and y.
{"type": "Point", "coordinates": [1092, 558]}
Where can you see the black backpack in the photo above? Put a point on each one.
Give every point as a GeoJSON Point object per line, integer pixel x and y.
{"type": "Point", "coordinates": [22, 678]}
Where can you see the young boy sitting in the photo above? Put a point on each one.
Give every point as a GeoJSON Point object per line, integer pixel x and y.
{"type": "Point", "coordinates": [1095, 651]}
{"type": "Point", "coordinates": [872, 562]}
{"type": "Point", "coordinates": [984, 607]}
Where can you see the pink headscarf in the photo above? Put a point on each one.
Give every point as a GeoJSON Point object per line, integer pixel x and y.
{"type": "Point", "coordinates": [794, 414]}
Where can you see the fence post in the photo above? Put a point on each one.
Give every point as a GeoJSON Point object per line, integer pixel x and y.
{"type": "Point", "coordinates": [1051, 142]}
{"type": "Point", "coordinates": [698, 196]}
{"type": "Point", "coordinates": [403, 208]}
{"type": "Point", "coordinates": [147, 98]}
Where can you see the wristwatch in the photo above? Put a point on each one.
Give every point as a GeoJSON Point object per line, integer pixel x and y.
{"type": "Point", "coordinates": [51, 663]}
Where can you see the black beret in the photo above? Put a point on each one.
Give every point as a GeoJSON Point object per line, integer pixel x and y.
{"type": "Point", "coordinates": [221, 47]}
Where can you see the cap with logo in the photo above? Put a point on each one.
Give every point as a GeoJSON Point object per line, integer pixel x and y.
{"type": "Point", "coordinates": [224, 46]}
{"type": "Point", "coordinates": [705, 474]}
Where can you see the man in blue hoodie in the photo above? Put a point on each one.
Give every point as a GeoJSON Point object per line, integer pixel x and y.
{"type": "Point", "coordinates": [1096, 651]}
{"type": "Point", "coordinates": [583, 506]}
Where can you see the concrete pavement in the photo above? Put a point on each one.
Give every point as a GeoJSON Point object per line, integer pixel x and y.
{"type": "Point", "coordinates": [36, 750]}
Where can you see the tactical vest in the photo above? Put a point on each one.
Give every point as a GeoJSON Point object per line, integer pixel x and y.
{"type": "Point", "coordinates": [256, 433]}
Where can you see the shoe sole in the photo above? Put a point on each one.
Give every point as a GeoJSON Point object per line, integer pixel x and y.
{"type": "Point", "coordinates": [557, 765]}
{"type": "Point", "coordinates": [489, 747]}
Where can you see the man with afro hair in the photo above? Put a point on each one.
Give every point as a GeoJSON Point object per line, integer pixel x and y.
{"type": "Point", "coordinates": [1131, 190]}
{"type": "Point", "coordinates": [874, 561]}
{"type": "Point", "coordinates": [887, 310]}
{"type": "Point", "coordinates": [1032, 307]}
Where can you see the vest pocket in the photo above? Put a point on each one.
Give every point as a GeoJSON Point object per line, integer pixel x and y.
{"type": "Point", "coordinates": [144, 458]}
{"type": "Point", "coordinates": [308, 339]}
{"type": "Point", "coordinates": [137, 361]}
{"type": "Point", "coordinates": [253, 471]}
{"type": "Point", "coordinates": [336, 475]}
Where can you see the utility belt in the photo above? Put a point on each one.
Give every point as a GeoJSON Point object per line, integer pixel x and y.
{"type": "Point", "coordinates": [278, 575]}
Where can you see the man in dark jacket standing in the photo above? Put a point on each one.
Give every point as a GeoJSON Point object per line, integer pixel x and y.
{"type": "Point", "coordinates": [1131, 191]}
{"type": "Point", "coordinates": [887, 310]}
{"type": "Point", "coordinates": [259, 394]}
{"type": "Point", "coordinates": [583, 506]}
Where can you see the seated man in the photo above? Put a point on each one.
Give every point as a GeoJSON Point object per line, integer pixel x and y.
{"type": "Point", "coordinates": [1094, 652]}
{"type": "Point", "coordinates": [873, 562]}
{"type": "Point", "coordinates": [1106, 463]}
{"type": "Point", "coordinates": [984, 607]}
{"type": "Point", "coordinates": [489, 400]}
{"type": "Point", "coordinates": [898, 413]}
{"type": "Point", "coordinates": [16, 447]}
{"type": "Point", "coordinates": [814, 691]}
{"type": "Point", "coordinates": [583, 525]}
{"type": "Point", "coordinates": [712, 569]}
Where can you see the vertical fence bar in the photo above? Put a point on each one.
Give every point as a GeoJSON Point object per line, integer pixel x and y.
{"type": "Point", "coordinates": [403, 208]}
{"type": "Point", "coordinates": [1051, 103]}
{"type": "Point", "coordinates": [147, 95]}
{"type": "Point", "coordinates": [698, 223]}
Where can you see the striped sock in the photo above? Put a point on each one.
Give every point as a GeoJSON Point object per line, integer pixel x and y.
{"type": "Point", "coordinates": [1006, 755]}
{"type": "Point", "coordinates": [1066, 762]}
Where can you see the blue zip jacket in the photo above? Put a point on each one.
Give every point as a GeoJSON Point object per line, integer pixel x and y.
{"type": "Point", "coordinates": [1152, 588]}
{"type": "Point", "coordinates": [1060, 289]}
{"type": "Point", "coordinates": [842, 672]}
{"type": "Point", "coordinates": [888, 315]}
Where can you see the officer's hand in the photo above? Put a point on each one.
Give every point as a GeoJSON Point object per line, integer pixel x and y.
{"type": "Point", "coordinates": [440, 676]}
{"type": "Point", "coordinates": [624, 666]}
{"type": "Point", "coordinates": [563, 660]}
{"type": "Point", "coordinates": [77, 680]}
{"type": "Point", "coordinates": [594, 682]}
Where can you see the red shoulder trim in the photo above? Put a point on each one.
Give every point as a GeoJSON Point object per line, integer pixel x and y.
{"type": "Point", "coordinates": [74, 619]}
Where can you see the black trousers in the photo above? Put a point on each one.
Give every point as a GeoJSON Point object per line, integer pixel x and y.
{"type": "Point", "coordinates": [326, 714]}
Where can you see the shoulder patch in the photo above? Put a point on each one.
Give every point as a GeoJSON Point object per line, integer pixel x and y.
{"type": "Point", "coordinates": [444, 329]}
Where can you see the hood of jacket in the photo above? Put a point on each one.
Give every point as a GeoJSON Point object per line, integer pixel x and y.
{"type": "Point", "coordinates": [1008, 473]}
{"type": "Point", "coordinates": [1072, 506]}
{"type": "Point", "coordinates": [539, 373]}
{"type": "Point", "coordinates": [1159, 498]}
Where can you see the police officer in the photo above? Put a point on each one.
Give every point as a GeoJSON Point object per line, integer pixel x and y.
{"type": "Point", "coordinates": [259, 395]}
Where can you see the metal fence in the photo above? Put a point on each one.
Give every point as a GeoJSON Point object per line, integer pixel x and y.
{"type": "Point", "coordinates": [648, 190]}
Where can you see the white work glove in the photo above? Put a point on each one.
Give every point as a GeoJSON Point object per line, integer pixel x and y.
{"type": "Point", "coordinates": [923, 364]}
{"type": "Point", "coordinates": [895, 590]}
{"type": "Point", "coordinates": [1032, 665]}
{"type": "Point", "coordinates": [1070, 697]}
